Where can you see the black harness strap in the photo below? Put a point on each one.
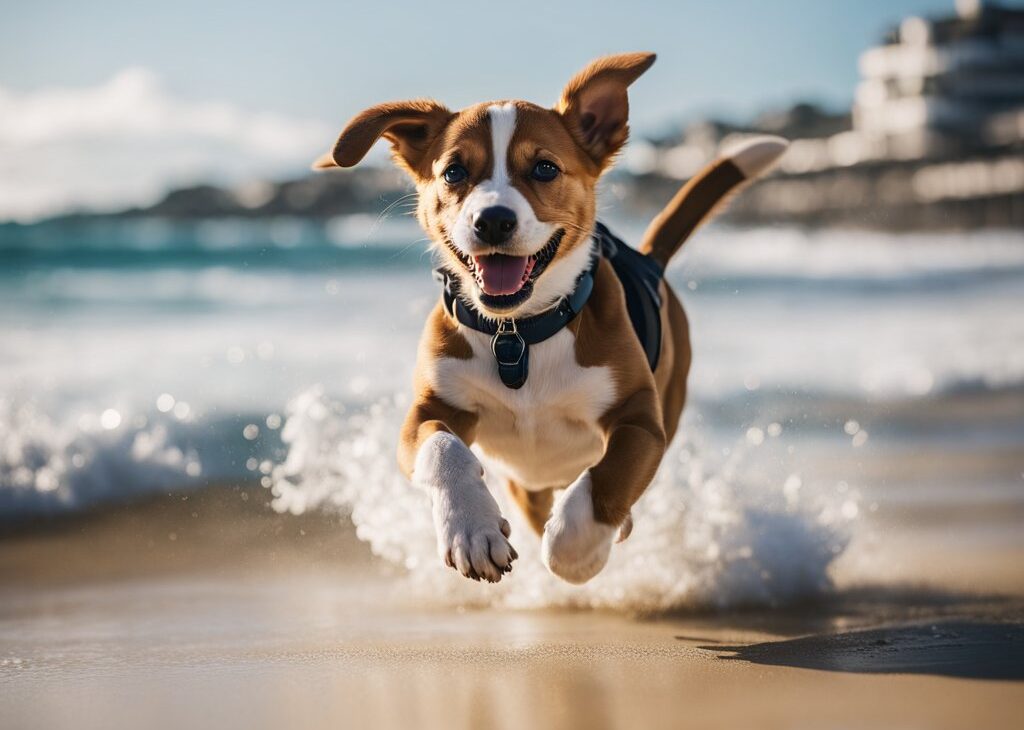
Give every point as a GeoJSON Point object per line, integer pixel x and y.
{"type": "Point", "coordinates": [511, 339]}
{"type": "Point", "coordinates": [640, 276]}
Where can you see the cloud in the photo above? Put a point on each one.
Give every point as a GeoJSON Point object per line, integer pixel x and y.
{"type": "Point", "coordinates": [127, 141]}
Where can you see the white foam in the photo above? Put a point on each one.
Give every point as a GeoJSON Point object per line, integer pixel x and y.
{"type": "Point", "coordinates": [49, 466]}
{"type": "Point", "coordinates": [831, 254]}
{"type": "Point", "coordinates": [709, 532]}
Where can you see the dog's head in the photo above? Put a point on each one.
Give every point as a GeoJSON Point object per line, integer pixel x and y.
{"type": "Point", "coordinates": [507, 189]}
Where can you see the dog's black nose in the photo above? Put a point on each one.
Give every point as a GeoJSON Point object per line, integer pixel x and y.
{"type": "Point", "coordinates": [495, 225]}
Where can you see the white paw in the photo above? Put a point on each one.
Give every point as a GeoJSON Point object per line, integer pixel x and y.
{"type": "Point", "coordinates": [471, 533]}
{"type": "Point", "coordinates": [575, 547]}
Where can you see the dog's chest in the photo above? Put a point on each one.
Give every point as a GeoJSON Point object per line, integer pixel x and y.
{"type": "Point", "coordinates": [543, 434]}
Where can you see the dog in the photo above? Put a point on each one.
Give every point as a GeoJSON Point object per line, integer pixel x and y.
{"type": "Point", "coordinates": [534, 355]}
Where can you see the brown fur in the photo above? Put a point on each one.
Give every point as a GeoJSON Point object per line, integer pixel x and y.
{"type": "Point", "coordinates": [568, 202]}
{"type": "Point", "coordinates": [581, 135]}
{"type": "Point", "coordinates": [428, 413]}
{"type": "Point", "coordinates": [535, 505]}
{"type": "Point", "coordinates": [595, 104]}
{"type": "Point", "coordinates": [695, 202]}
{"type": "Point", "coordinates": [634, 426]}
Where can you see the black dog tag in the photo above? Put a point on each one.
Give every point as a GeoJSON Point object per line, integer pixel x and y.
{"type": "Point", "coordinates": [512, 355]}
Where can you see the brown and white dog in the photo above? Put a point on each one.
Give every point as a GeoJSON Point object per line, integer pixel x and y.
{"type": "Point", "coordinates": [507, 196]}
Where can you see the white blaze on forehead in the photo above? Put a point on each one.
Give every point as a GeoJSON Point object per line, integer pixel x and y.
{"type": "Point", "coordinates": [531, 234]}
{"type": "Point", "coordinates": [503, 125]}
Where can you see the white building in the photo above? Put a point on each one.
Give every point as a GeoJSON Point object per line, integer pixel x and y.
{"type": "Point", "coordinates": [939, 86]}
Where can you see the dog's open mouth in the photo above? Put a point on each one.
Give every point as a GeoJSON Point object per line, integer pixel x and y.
{"type": "Point", "coordinates": [507, 281]}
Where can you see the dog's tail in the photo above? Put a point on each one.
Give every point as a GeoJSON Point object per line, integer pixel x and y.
{"type": "Point", "coordinates": [706, 192]}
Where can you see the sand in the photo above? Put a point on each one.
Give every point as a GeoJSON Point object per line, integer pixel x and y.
{"type": "Point", "coordinates": [207, 611]}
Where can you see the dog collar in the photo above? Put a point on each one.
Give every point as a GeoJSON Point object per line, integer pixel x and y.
{"type": "Point", "coordinates": [511, 338]}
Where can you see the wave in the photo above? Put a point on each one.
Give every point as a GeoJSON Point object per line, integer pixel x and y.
{"type": "Point", "coordinates": [51, 465]}
{"type": "Point", "coordinates": [66, 460]}
{"type": "Point", "coordinates": [707, 533]}
{"type": "Point", "coordinates": [837, 255]}
{"type": "Point", "coordinates": [48, 466]}
{"type": "Point", "coordinates": [150, 244]}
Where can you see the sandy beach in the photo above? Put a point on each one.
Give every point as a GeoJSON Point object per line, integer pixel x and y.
{"type": "Point", "coordinates": [211, 610]}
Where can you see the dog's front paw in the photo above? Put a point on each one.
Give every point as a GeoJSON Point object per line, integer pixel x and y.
{"type": "Point", "coordinates": [472, 536]}
{"type": "Point", "coordinates": [471, 533]}
{"type": "Point", "coordinates": [575, 547]}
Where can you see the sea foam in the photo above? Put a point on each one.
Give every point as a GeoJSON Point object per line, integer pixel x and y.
{"type": "Point", "coordinates": [52, 465]}
{"type": "Point", "coordinates": [713, 530]}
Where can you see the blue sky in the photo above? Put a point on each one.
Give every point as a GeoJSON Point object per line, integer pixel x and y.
{"type": "Point", "coordinates": [329, 59]}
{"type": "Point", "coordinates": [111, 103]}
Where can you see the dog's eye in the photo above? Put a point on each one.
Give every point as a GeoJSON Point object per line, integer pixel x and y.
{"type": "Point", "coordinates": [544, 171]}
{"type": "Point", "coordinates": [454, 174]}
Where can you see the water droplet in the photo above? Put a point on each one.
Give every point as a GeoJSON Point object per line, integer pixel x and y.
{"type": "Point", "coordinates": [110, 419]}
{"type": "Point", "coordinates": [165, 402]}
{"type": "Point", "coordinates": [251, 431]}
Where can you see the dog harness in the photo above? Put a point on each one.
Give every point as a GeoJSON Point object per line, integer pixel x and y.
{"type": "Point", "coordinates": [638, 273]}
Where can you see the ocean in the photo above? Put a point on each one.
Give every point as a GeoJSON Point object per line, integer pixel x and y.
{"type": "Point", "coordinates": [856, 401]}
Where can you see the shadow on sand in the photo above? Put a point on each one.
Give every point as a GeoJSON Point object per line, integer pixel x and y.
{"type": "Point", "coordinates": [887, 630]}
{"type": "Point", "coordinates": [958, 648]}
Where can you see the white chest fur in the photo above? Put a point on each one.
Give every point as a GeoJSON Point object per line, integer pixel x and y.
{"type": "Point", "coordinates": [544, 434]}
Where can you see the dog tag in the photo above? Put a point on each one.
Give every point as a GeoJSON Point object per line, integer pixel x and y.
{"type": "Point", "coordinates": [512, 355]}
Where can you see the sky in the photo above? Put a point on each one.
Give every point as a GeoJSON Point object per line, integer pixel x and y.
{"type": "Point", "coordinates": [112, 102]}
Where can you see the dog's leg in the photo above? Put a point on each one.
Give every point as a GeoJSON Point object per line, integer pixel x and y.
{"type": "Point", "coordinates": [471, 533]}
{"type": "Point", "coordinates": [595, 509]}
{"type": "Point", "coordinates": [535, 505]}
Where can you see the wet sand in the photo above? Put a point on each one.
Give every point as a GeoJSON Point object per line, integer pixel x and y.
{"type": "Point", "coordinates": [212, 611]}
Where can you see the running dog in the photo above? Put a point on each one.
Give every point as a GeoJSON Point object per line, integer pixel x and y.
{"type": "Point", "coordinates": [557, 351]}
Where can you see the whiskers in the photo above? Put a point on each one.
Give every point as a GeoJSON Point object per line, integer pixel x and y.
{"type": "Point", "coordinates": [404, 205]}
{"type": "Point", "coordinates": [407, 201]}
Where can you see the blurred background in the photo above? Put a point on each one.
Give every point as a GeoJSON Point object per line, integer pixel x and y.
{"type": "Point", "coordinates": [185, 308]}
{"type": "Point", "coordinates": [206, 351]}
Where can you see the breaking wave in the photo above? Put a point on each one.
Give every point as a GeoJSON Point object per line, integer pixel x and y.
{"type": "Point", "coordinates": [712, 531]}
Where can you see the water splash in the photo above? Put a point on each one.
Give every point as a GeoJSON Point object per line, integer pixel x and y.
{"type": "Point", "coordinates": [711, 531]}
{"type": "Point", "coordinates": [52, 465]}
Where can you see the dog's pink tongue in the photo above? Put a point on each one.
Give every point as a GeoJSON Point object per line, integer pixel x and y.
{"type": "Point", "coordinates": [501, 274]}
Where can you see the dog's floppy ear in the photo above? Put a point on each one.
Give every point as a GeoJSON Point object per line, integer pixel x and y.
{"type": "Point", "coordinates": [410, 127]}
{"type": "Point", "coordinates": [595, 104]}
